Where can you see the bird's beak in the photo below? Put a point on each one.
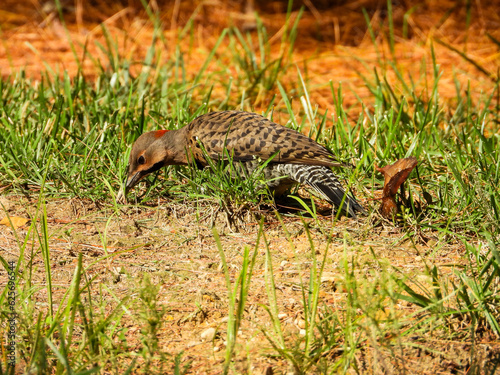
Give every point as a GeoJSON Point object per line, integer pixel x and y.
{"type": "Point", "coordinates": [129, 183]}
{"type": "Point", "coordinates": [133, 179]}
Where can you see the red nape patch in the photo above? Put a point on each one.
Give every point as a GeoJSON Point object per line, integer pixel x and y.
{"type": "Point", "coordinates": [159, 133]}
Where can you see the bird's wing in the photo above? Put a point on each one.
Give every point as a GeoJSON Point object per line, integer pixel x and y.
{"type": "Point", "coordinates": [248, 136]}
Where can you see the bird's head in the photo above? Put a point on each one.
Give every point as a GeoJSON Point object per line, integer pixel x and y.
{"type": "Point", "coordinates": [149, 153]}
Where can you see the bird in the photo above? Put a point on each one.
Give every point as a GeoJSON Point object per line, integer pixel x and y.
{"type": "Point", "coordinates": [250, 139]}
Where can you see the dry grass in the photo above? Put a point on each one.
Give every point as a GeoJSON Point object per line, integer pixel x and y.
{"type": "Point", "coordinates": [177, 251]}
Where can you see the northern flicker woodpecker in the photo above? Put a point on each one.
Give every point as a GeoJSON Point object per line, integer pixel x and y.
{"type": "Point", "coordinates": [250, 139]}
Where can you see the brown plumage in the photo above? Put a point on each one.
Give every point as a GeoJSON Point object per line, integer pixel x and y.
{"type": "Point", "coordinates": [248, 138]}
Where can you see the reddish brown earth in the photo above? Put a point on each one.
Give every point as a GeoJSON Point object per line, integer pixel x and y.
{"type": "Point", "coordinates": [333, 42]}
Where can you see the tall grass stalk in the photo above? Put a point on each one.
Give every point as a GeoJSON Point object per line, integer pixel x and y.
{"type": "Point", "coordinates": [237, 294]}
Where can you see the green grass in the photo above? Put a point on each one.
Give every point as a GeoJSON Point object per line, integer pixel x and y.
{"type": "Point", "coordinates": [68, 138]}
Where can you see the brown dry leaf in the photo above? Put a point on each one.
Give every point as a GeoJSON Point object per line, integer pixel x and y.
{"type": "Point", "coordinates": [15, 220]}
{"type": "Point", "coordinates": [394, 176]}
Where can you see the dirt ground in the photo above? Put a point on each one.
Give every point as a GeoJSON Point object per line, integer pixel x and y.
{"type": "Point", "coordinates": [176, 248]}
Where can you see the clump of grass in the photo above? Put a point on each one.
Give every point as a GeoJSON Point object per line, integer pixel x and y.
{"type": "Point", "coordinates": [260, 71]}
{"type": "Point", "coordinates": [303, 354]}
{"type": "Point", "coordinates": [334, 336]}
{"type": "Point", "coordinates": [237, 294]}
{"type": "Point", "coordinates": [470, 297]}
{"type": "Point", "coordinates": [79, 331]}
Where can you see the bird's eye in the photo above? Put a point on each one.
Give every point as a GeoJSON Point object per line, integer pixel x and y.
{"type": "Point", "coordinates": [141, 160]}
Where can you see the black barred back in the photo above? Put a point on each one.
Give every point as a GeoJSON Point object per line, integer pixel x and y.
{"type": "Point", "coordinates": [247, 136]}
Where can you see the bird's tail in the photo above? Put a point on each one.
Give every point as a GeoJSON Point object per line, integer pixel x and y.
{"type": "Point", "coordinates": [325, 184]}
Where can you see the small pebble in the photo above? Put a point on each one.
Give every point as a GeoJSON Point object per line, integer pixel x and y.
{"type": "Point", "coordinates": [208, 334]}
{"type": "Point", "coordinates": [301, 323]}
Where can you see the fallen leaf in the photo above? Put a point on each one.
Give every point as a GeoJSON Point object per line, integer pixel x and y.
{"type": "Point", "coordinates": [394, 176]}
{"type": "Point", "coordinates": [15, 220]}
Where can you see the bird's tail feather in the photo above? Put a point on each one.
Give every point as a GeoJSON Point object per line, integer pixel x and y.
{"type": "Point", "coordinates": [325, 184]}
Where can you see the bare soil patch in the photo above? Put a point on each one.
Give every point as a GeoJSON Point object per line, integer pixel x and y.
{"type": "Point", "coordinates": [176, 250]}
